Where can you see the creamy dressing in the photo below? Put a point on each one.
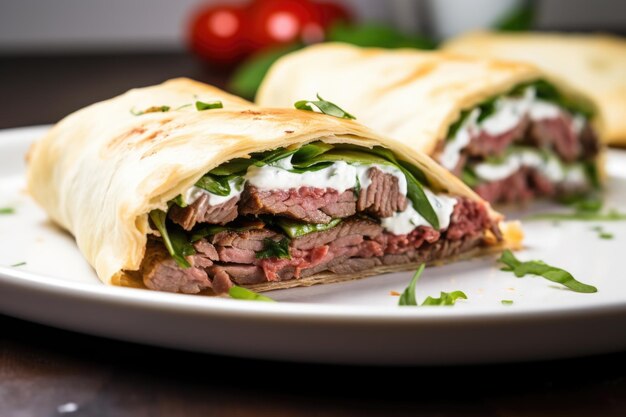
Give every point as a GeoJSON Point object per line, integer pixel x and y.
{"type": "Point", "coordinates": [547, 165]}
{"type": "Point", "coordinates": [452, 152]}
{"type": "Point", "coordinates": [509, 111]}
{"type": "Point", "coordinates": [339, 176]}
{"type": "Point", "coordinates": [193, 193]}
{"type": "Point", "coordinates": [404, 222]}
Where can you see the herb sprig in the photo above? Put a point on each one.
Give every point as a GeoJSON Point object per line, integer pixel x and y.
{"type": "Point", "coordinates": [240, 293]}
{"type": "Point", "coordinates": [323, 106]}
{"type": "Point", "coordinates": [540, 268]}
{"type": "Point", "coordinates": [408, 297]}
{"type": "Point", "coordinates": [274, 249]}
{"type": "Point", "coordinates": [7, 210]}
{"type": "Point", "coordinates": [175, 240]}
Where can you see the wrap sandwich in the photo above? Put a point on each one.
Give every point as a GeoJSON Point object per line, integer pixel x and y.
{"type": "Point", "coordinates": [506, 129]}
{"type": "Point", "coordinates": [593, 63]}
{"type": "Point", "coordinates": [180, 187]}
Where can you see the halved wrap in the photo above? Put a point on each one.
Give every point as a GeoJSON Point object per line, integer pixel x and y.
{"type": "Point", "coordinates": [505, 128]}
{"type": "Point", "coordinates": [593, 63]}
{"type": "Point", "coordinates": [187, 198]}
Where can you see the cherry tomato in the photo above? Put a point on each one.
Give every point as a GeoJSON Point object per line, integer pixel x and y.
{"type": "Point", "coordinates": [332, 12]}
{"type": "Point", "coordinates": [217, 34]}
{"type": "Point", "coordinates": [284, 21]}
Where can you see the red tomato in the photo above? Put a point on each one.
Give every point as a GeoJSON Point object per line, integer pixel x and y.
{"type": "Point", "coordinates": [217, 34]}
{"type": "Point", "coordinates": [284, 21]}
{"type": "Point", "coordinates": [332, 12]}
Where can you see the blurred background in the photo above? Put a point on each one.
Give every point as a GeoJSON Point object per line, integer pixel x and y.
{"type": "Point", "coordinates": [57, 56]}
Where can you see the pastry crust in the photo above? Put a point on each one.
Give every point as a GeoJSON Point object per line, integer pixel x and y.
{"type": "Point", "coordinates": [101, 170]}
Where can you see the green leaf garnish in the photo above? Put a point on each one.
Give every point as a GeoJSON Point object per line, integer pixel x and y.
{"type": "Point", "coordinates": [445, 299]}
{"type": "Point", "coordinates": [175, 240]}
{"type": "Point", "coordinates": [273, 249]}
{"type": "Point", "coordinates": [295, 229]}
{"type": "Point", "coordinates": [240, 293]}
{"type": "Point", "coordinates": [408, 295]}
{"type": "Point", "coordinates": [7, 210]}
{"type": "Point", "coordinates": [602, 234]}
{"type": "Point", "coordinates": [323, 106]}
{"type": "Point", "coordinates": [454, 127]}
{"type": "Point", "coordinates": [18, 264]}
{"type": "Point", "coordinates": [469, 177]}
{"type": "Point", "coordinates": [554, 274]}
{"type": "Point", "coordinates": [178, 200]}
{"type": "Point", "coordinates": [153, 109]}
{"type": "Point", "coordinates": [507, 302]}
{"type": "Point", "coordinates": [201, 105]}
{"type": "Point", "coordinates": [214, 185]}
{"type": "Point", "coordinates": [237, 166]}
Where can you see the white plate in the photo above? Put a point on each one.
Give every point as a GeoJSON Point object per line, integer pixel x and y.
{"type": "Point", "coordinates": [354, 322]}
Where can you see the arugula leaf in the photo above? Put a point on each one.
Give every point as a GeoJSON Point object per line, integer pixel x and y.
{"type": "Point", "coordinates": [554, 274]}
{"type": "Point", "coordinates": [201, 105]}
{"type": "Point", "coordinates": [218, 186]}
{"type": "Point", "coordinates": [487, 109]}
{"type": "Point", "coordinates": [408, 295]}
{"type": "Point", "coordinates": [240, 293]}
{"type": "Point", "coordinates": [153, 109]}
{"type": "Point", "coordinates": [175, 240]}
{"type": "Point", "coordinates": [445, 299]}
{"type": "Point", "coordinates": [18, 264]}
{"type": "Point", "coordinates": [7, 210]}
{"type": "Point", "coordinates": [323, 106]}
{"type": "Point", "coordinates": [602, 234]}
{"type": "Point", "coordinates": [273, 249]}
{"type": "Point", "coordinates": [454, 127]}
{"type": "Point", "coordinates": [237, 166]}
{"type": "Point", "coordinates": [178, 200]}
{"type": "Point", "coordinates": [296, 229]}
{"type": "Point", "coordinates": [507, 302]}
{"type": "Point", "coordinates": [469, 177]}
{"type": "Point", "coordinates": [310, 151]}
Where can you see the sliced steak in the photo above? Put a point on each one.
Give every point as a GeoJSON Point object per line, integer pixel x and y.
{"type": "Point", "coordinates": [249, 239]}
{"type": "Point", "coordinates": [202, 212]}
{"type": "Point", "coordinates": [239, 274]}
{"type": "Point", "coordinates": [558, 134]}
{"type": "Point", "coordinates": [160, 272]}
{"type": "Point", "coordinates": [520, 187]}
{"type": "Point", "coordinates": [469, 220]}
{"type": "Point", "coordinates": [483, 144]}
{"type": "Point", "coordinates": [352, 226]}
{"type": "Point", "coordinates": [353, 265]}
{"type": "Point", "coordinates": [382, 197]}
{"type": "Point", "coordinates": [305, 203]}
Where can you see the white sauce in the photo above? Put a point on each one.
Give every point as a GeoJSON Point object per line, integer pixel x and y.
{"type": "Point", "coordinates": [509, 111]}
{"type": "Point", "coordinates": [340, 176]}
{"type": "Point", "coordinates": [404, 222]}
{"type": "Point", "coordinates": [549, 166]}
{"type": "Point", "coordinates": [193, 193]}
{"type": "Point", "coordinates": [452, 152]}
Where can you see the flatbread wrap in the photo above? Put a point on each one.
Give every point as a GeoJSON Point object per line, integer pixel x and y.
{"type": "Point", "coordinates": [593, 63]}
{"type": "Point", "coordinates": [162, 188]}
{"type": "Point", "coordinates": [508, 130]}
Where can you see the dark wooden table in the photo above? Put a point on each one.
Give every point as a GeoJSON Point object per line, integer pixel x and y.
{"type": "Point", "coordinates": [49, 372]}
